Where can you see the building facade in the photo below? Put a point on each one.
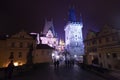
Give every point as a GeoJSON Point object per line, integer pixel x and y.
{"type": "Point", "coordinates": [103, 48]}
{"type": "Point", "coordinates": [73, 35]}
{"type": "Point", "coordinates": [43, 54]}
{"type": "Point", "coordinates": [23, 48]}
{"type": "Point", "coordinates": [16, 48]}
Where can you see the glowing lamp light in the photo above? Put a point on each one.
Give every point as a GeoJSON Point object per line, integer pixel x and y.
{"type": "Point", "coordinates": [57, 57]}
{"type": "Point", "coordinates": [75, 56]}
{"type": "Point", "coordinates": [53, 55]}
{"type": "Point", "coordinates": [15, 63]}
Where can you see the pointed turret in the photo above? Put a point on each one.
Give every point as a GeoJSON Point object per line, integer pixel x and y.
{"type": "Point", "coordinates": [72, 16]}
{"type": "Point", "coordinates": [48, 26]}
{"type": "Point", "coordinates": [81, 22]}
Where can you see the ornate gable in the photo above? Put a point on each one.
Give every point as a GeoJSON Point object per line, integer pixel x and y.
{"type": "Point", "coordinates": [49, 34]}
{"type": "Point", "coordinates": [21, 34]}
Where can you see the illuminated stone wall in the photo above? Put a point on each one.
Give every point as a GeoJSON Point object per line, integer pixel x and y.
{"type": "Point", "coordinates": [74, 39]}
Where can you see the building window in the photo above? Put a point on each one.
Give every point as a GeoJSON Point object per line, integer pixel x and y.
{"type": "Point", "coordinates": [20, 55]}
{"type": "Point", "coordinates": [114, 38]}
{"type": "Point", "coordinates": [21, 44]}
{"type": "Point", "coordinates": [75, 35]}
{"type": "Point", "coordinates": [101, 64]}
{"type": "Point", "coordinates": [43, 52]}
{"type": "Point", "coordinates": [54, 42]}
{"type": "Point", "coordinates": [12, 44]}
{"type": "Point", "coordinates": [21, 36]}
{"type": "Point", "coordinates": [48, 42]}
{"type": "Point", "coordinates": [94, 42]}
{"type": "Point", "coordinates": [100, 41]}
{"type": "Point", "coordinates": [99, 55]}
{"type": "Point", "coordinates": [28, 45]}
{"type": "Point", "coordinates": [108, 55]}
{"type": "Point", "coordinates": [107, 39]}
{"type": "Point", "coordinates": [114, 55]}
{"type": "Point", "coordinates": [11, 56]}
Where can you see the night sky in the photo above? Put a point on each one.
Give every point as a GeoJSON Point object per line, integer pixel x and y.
{"type": "Point", "coordinates": [30, 15]}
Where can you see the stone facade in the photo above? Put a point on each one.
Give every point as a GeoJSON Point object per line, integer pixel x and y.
{"type": "Point", "coordinates": [103, 48]}
{"type": "Point", "coordinates": [16, 48]}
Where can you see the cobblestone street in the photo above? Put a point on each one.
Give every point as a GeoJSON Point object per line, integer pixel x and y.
{"type": "Point", "coordinates": [61, 73]}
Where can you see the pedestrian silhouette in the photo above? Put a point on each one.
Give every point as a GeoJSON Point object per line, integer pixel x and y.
{"type": "Point", "coordinates": [57, 62]}
{"type": "Point", "coordinates": [10, 70]}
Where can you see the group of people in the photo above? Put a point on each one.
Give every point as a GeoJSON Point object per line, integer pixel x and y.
{"type": "Point", "coordinates": [56, 63]}
{"type": "Point", "coordinates": [68, 63]}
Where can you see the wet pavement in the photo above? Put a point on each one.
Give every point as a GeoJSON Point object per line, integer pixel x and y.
{"type": "Point", "coordinates": [61, 73]}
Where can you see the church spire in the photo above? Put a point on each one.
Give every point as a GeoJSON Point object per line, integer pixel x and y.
{"type": "Point", "coordinates": [49, 26]}
{"type": "Point", "coordinates": [72, 16]}
{"type": "Point", "coordinates": [81, 22]}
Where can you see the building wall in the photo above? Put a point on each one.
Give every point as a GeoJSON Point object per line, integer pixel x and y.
{"type": "Point", "coordinates": [17, 46]}
{"type": "Point", "coordinates": [107, 47]}
{"type": "Point", "coordinates": [42, 56]}
{"type": "Point", "coordinates": [2, 51]}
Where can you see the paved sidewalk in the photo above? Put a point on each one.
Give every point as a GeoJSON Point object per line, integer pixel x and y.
{"type": "Point", "coordinates": [116, 74]}
{"type": "Point", "coordinates": [109, 75]}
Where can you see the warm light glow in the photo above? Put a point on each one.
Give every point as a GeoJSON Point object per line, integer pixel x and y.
{"type": "Point", "coordinates": [53, 54]}
{"type": "Point", "coordinates": [15, 63]}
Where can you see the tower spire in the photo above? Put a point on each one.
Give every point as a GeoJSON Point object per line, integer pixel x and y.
{"type": "Point", "coordinates": [81, 22]}
{"type": "Point", "coordinates": [72, 16]}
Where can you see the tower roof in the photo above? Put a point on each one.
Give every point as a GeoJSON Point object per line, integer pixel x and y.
{"type": "Point", "coordinates": [49, 26]}
{"type": "Point", "coordinates": [72, 16]}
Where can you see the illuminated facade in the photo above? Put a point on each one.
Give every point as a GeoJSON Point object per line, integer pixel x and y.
{"type": "Point", "coordinates": [49, 36]}
{"type": "Point", "coordinates": [16, 48]}
{"type": "Point", "coordinates": [73, 35]}
{"type": "Point", "coordinates": [61, 46]}
{"type": "Point", "coordinates": [103, 48]}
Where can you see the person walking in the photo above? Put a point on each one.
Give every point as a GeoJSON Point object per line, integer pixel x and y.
{"type": "Point", "coordinates": [10, 70]}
